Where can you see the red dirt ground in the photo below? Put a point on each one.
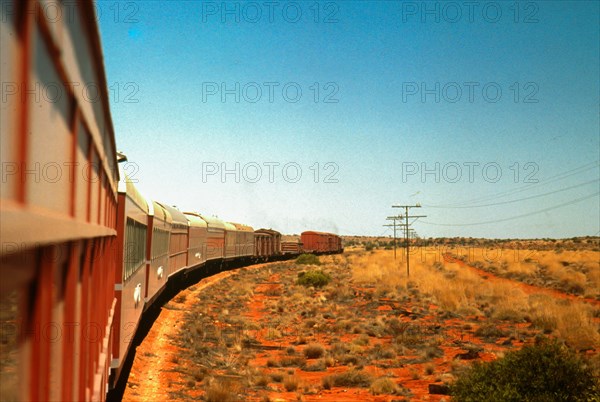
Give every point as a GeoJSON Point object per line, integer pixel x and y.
{"type": "Point", "coordinates": [153, 376]}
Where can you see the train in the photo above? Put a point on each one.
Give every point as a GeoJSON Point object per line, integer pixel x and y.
{"type": "Point", "coordinates": [84, 254]}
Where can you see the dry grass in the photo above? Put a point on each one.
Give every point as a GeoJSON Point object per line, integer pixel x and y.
{"type": "Point", "coordinates": [576, 272]}
{"type": "Point", "coordinates": [221, 391]}
{"type": "Point", "coordinates": [461, 291]}
{"type": "Point", "coordinates": [291, 383]}
{"type": "Point", "coordinates": [572, 322]}
{"type": "Point", "coordinates": [350, 378]}
{"type": "Point", "coordinates": [314, 351]}
{"type": "Point", "coordinates": [450, 287]}
{"type": "Point", "coordinates": [384, 385]}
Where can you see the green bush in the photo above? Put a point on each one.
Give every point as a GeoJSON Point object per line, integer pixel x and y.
{"type": "Point", "coordinates": [313, 278]}
{"type": "Point", "coordinates": [308, 259]}
{"type": "Point", "coordinates": [544, 372]}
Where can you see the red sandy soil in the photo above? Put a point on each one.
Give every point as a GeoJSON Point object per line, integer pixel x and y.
{"type": "Point", "coordinates": [152, 374]}
{"type": "Point", "coordinates": [153, 377]}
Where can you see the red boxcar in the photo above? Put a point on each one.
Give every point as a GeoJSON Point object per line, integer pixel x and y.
{"type": "Point", "coordinates": [320, 242]}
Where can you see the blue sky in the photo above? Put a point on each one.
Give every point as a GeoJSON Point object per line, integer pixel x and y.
{"type": "Point", "coordinates": [361, 97]}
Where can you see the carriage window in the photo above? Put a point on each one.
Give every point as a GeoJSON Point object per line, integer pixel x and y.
{"type": "Point", "coordinates": [135, 247]}
{"type": "Point", "coordinates": [160, 243]}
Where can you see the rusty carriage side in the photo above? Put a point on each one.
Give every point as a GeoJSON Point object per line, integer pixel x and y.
{"type": "Point", "coordinates": [58, 203]}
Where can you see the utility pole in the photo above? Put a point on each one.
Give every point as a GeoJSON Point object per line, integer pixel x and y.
{"type": "Point", "coordinates": [393, 218]}
{"type": "Point", "coordinates": [406, 225]}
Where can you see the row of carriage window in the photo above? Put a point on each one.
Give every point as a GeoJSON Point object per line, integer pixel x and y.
{"type": "Point", "coordinates": [135, 246]}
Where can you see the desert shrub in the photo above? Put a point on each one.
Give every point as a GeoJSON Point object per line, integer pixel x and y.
{"type": "Point", "coordinates": [310, 323]}
{"type": "Point", "coordinates": [508, 314]}
{"type": "Point", "coordinates": [544, 372]}
{"type": "Point", "coordinates": [570, 286]}
{"type": "Point", "coordinates": [351, 378]}
{"type": "Point", "coordinates": [378, 352]}
{"type": "Point", "coordinates": [384, 385]}
{"type": "Point", "coordinates": [291, 383]}
{"type": "Point", "coordinates": [432, 352]}
{"type": "Point", "coordinates": [327, 382]}
{"type": "Point", "coordinates": [220, 392]}
{"type": "Point", "coordinates": [341, 294]}
{"type": "Point", "coordinates": [292, 361]}
{"type": "Point", "coordinates": [362, 340]}
{"type": "Point", "coordinates": [314, 351]}
{"type": "Point", "coordinates": [261, 381]}
{"type": "Point", "coordinates": [272, 363]}
{"type": "Point", "coordinates": [198, 375]}
{"type": "Point", "coordinates": [545, 322]}
{"type": "Point", "coordinates": [327, 361]}
{"type": "Point", "coordinates": [490, 331]}
{"type": "Point", "coordinates": [395, 327]}
{"type": "Point", "coordinates": [318, 366]}
{"type": "Point", "coordinates": [313, 278]}
{"type": "Point", "coordinates": [308, 259]}
{"type": "Point", "coordinates": [351, 359]}
{"type": "Point", "coordinates": [277, 377]}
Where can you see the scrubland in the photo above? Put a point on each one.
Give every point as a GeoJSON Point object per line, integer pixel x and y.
{"type": "Point", "coordinates": [356, 327]}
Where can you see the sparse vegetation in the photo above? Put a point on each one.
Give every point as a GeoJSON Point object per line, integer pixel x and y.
{"type": "Point", "coordinates": [272, 332]}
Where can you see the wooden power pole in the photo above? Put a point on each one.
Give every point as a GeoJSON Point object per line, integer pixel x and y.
{"type": "Point", "coordinates": [406, 236]}
{"type": "Point", "coordinates": [394, 218]}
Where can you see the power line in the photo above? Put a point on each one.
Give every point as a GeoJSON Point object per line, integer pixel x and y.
{"type": "Point", "coordinates": [517, 216]}
{"type": "Point", "coordinates": [502, 194]}
{"type": "Point", "coordinates": [517, 200]}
